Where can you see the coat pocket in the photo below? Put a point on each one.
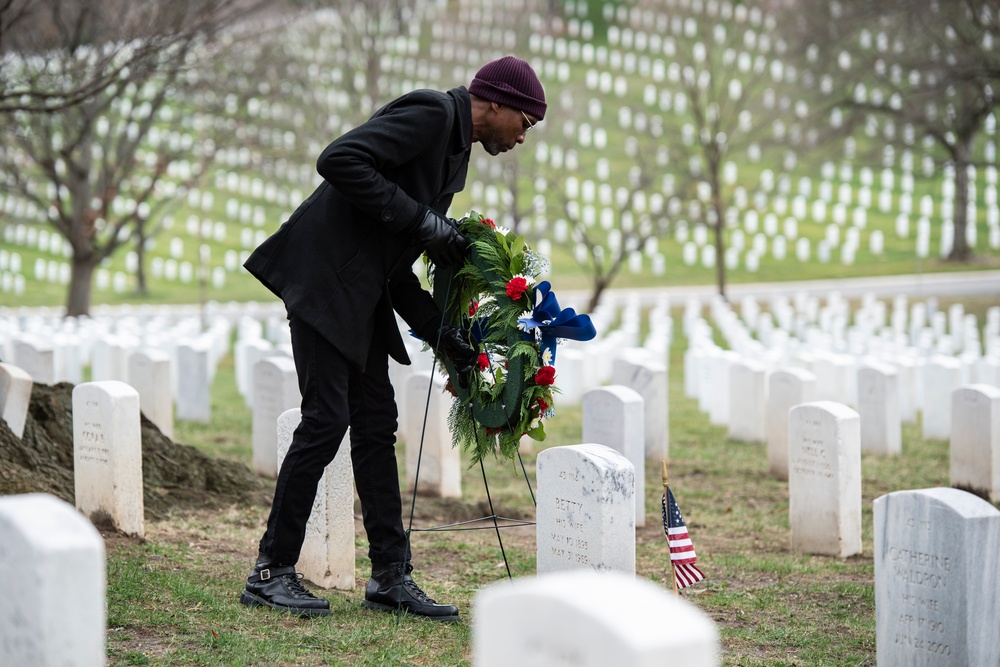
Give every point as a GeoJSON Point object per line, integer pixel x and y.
{"type": "Point", "coordinates": [354, 259]}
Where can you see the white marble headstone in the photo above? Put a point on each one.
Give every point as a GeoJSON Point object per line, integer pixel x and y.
{"type": "Point", "coordinates": [53, 608]}
{"type": "Point", "coordinates": [694, 356]}
{"type": "Point", "coordinates": [834, 377]}
{"type": "Point", "coordinates": [429, 443]}
{"type": "Point", "coordinates": [194, 382]}
{"type": "Point", "coordinates": [571, 367]}
{"type": "Point", "coordinates": [942, 375]}
{"type": "Point", "coordinates": [906, 369]}
{"type": "Point", "coordinates": [975, 440]}
{"type": "Point", "coordinates": [824, 478]}
{"type": "Point", "coordinates": [705, 384]}
{"type": "Point", "coordinates": [275, 389]}
{"type": "Point", "coordinates": [107, 454]}
{"type": "Point", "coordinates": [747, 401]}
{"type": "Point", "coordinates": [613, 416]}
{"type": "Point", "coordinates": [988, 369]}
{"type": "Point", "coordinates": [589, 619]}
{"type": "Point", "coordinates": [68, 352]}
{"type": "Point", "coordinates": [878, 408]}
{"type": "Point", "coordinates": [787, 387]}
{"type": "Point", "coordinates": [585, 516]}
{"type": "Point", "coordinates": [716, 391]}
{"type": "Point", "coordinates": [149, 374]}
{"type": "Point", "coordinates": [937, 575]}
{"type": "Point", "coordinates": [327, 555]}
{"type": "Point", "coordinates": [648, 377]}
{"type": "Point", "coordinates": [109, 359]}
{"type": "Point", "coordinates": [15, 397]}
{"type": "Point", "coordinates": [247, 351]}
{"type": "Point", "coordinates": [36, 358]}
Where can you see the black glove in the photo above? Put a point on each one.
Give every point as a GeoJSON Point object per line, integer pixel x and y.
{"type": "Point", "coordinates": [439, 236]}
{"type": "Point", "coordinates": [454, 345]}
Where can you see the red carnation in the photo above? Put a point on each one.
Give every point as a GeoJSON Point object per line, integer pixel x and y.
{"type": "Point", "coordinates": [488, 222]}
{"type": "Point", "coordinates": [473, 308]}
{"type": "Point", "coordinates": [542, 405]}
{"type": "Point", "coordinates": [545, 375]}
{"type": "Point", "coordinates": [483, 361]}
{"type": "Point", "coordinates": [516, 287]}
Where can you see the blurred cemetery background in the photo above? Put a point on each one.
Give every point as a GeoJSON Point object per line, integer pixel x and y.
{"type": "Point", "coordinates": [687, 142]}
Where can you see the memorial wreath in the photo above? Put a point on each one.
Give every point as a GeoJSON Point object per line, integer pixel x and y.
{"type": "Point", "coordinates": [515, 324]}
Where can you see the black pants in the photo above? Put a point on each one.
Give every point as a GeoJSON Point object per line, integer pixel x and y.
{"type": "Point", "coordinates": [336, 395]}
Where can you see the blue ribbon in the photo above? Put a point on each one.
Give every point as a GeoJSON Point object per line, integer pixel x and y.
{"type": "Point", "coordinates": [553, 323]}
{"type": "Point", "coordinates": [479, 328]}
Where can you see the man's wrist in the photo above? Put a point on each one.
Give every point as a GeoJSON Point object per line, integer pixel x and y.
{"type": "Point", "coordinates": [412, 225]}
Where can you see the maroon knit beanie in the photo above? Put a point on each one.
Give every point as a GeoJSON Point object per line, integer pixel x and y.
{"type": "Point", "coordinates": [511, 81]}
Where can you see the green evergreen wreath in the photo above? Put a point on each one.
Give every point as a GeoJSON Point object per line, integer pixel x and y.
{"type": "Point", "coordinates": [511, 391]}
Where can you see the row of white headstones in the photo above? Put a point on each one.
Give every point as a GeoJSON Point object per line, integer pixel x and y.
{"type": "Point", "coordinates": [171, 356]}
{"type": "Point", "coordinates": [823, 444]}
{"type": "Point", "coordinates": [171, 360]}
{"type": "Point", "coordinates": [930, 577]}
{"type": "Point", "coordinates": [889, 366]}
{"type": "Point", "coordinates": [696, 246]}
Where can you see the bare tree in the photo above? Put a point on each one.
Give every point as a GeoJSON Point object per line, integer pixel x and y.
{"type": "Point", "coordinates": [721, 95]}
{"type": "Point", "coordinates": [632, 213]}
{"type": "Point", "coordinates": [519, 209]}
{"type": "Point", "coordinates": [95, 116]}
{"type": "Point", "coordinates": [355, 38]}
{"type": "Point", "coordinates": [728, 94]}
{"type": "Point", "coordinates": [510, 198]}
{"type": "Point", "coordinates": [59, 54]}
{"type": "Point", "coordinates": [29, 29]}
{"type": "Point", "coordinates": [929, 65]}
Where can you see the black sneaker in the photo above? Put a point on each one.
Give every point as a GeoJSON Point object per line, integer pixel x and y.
{"type": "Point", "coordinates": [280, 587]}
{"type": "Point", "coordinates": [391, 588]}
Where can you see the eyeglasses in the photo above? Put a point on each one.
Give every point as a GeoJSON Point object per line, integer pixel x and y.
{"type": "Point", "coordinates": [531, 126]}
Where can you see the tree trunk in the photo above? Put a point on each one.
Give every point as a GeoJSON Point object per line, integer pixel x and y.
{"type": "Point", "coordinates": [715, 166]}
{"type": "Point", "coordinates": [960, 250]}
{"type": "Point", "coordinates": [595, 297]}
{"type": "Point", "coordinates": [81, 282]}
{"type": "Point", "coordinates": [141, 286]}
{"type": "Point", "coordinates": [720, 260]}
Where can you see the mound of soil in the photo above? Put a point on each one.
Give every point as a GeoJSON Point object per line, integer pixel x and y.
{"type": "Point", "coordinates": [174, 476]}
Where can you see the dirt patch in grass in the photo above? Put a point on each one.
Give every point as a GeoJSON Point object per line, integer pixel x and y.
{"type": "Point", "coordinates": [139, 640]}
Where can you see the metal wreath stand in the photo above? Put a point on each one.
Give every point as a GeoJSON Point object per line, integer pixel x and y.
{"type": "Point", "coordinates": [472, 524]}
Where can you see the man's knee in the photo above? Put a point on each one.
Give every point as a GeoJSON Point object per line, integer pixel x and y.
{"type": "Point", "coordinates": [320, 433]}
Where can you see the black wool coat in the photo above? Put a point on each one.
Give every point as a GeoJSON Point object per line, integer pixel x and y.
{"type": "Point", "coordinates": [343, 261]}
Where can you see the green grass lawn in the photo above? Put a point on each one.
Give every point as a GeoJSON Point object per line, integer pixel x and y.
{"type": "Point", "coordinates": [172, 599]}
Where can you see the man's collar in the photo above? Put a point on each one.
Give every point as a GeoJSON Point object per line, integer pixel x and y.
{"type": "Point", "coordinates": [463, 104]}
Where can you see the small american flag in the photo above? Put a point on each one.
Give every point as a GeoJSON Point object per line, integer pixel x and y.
{"type": "Point", "coordinates": [682, 555]}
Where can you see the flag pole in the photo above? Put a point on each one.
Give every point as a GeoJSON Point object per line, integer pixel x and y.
{"type": "Point", "coordinates": [673, 576]}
